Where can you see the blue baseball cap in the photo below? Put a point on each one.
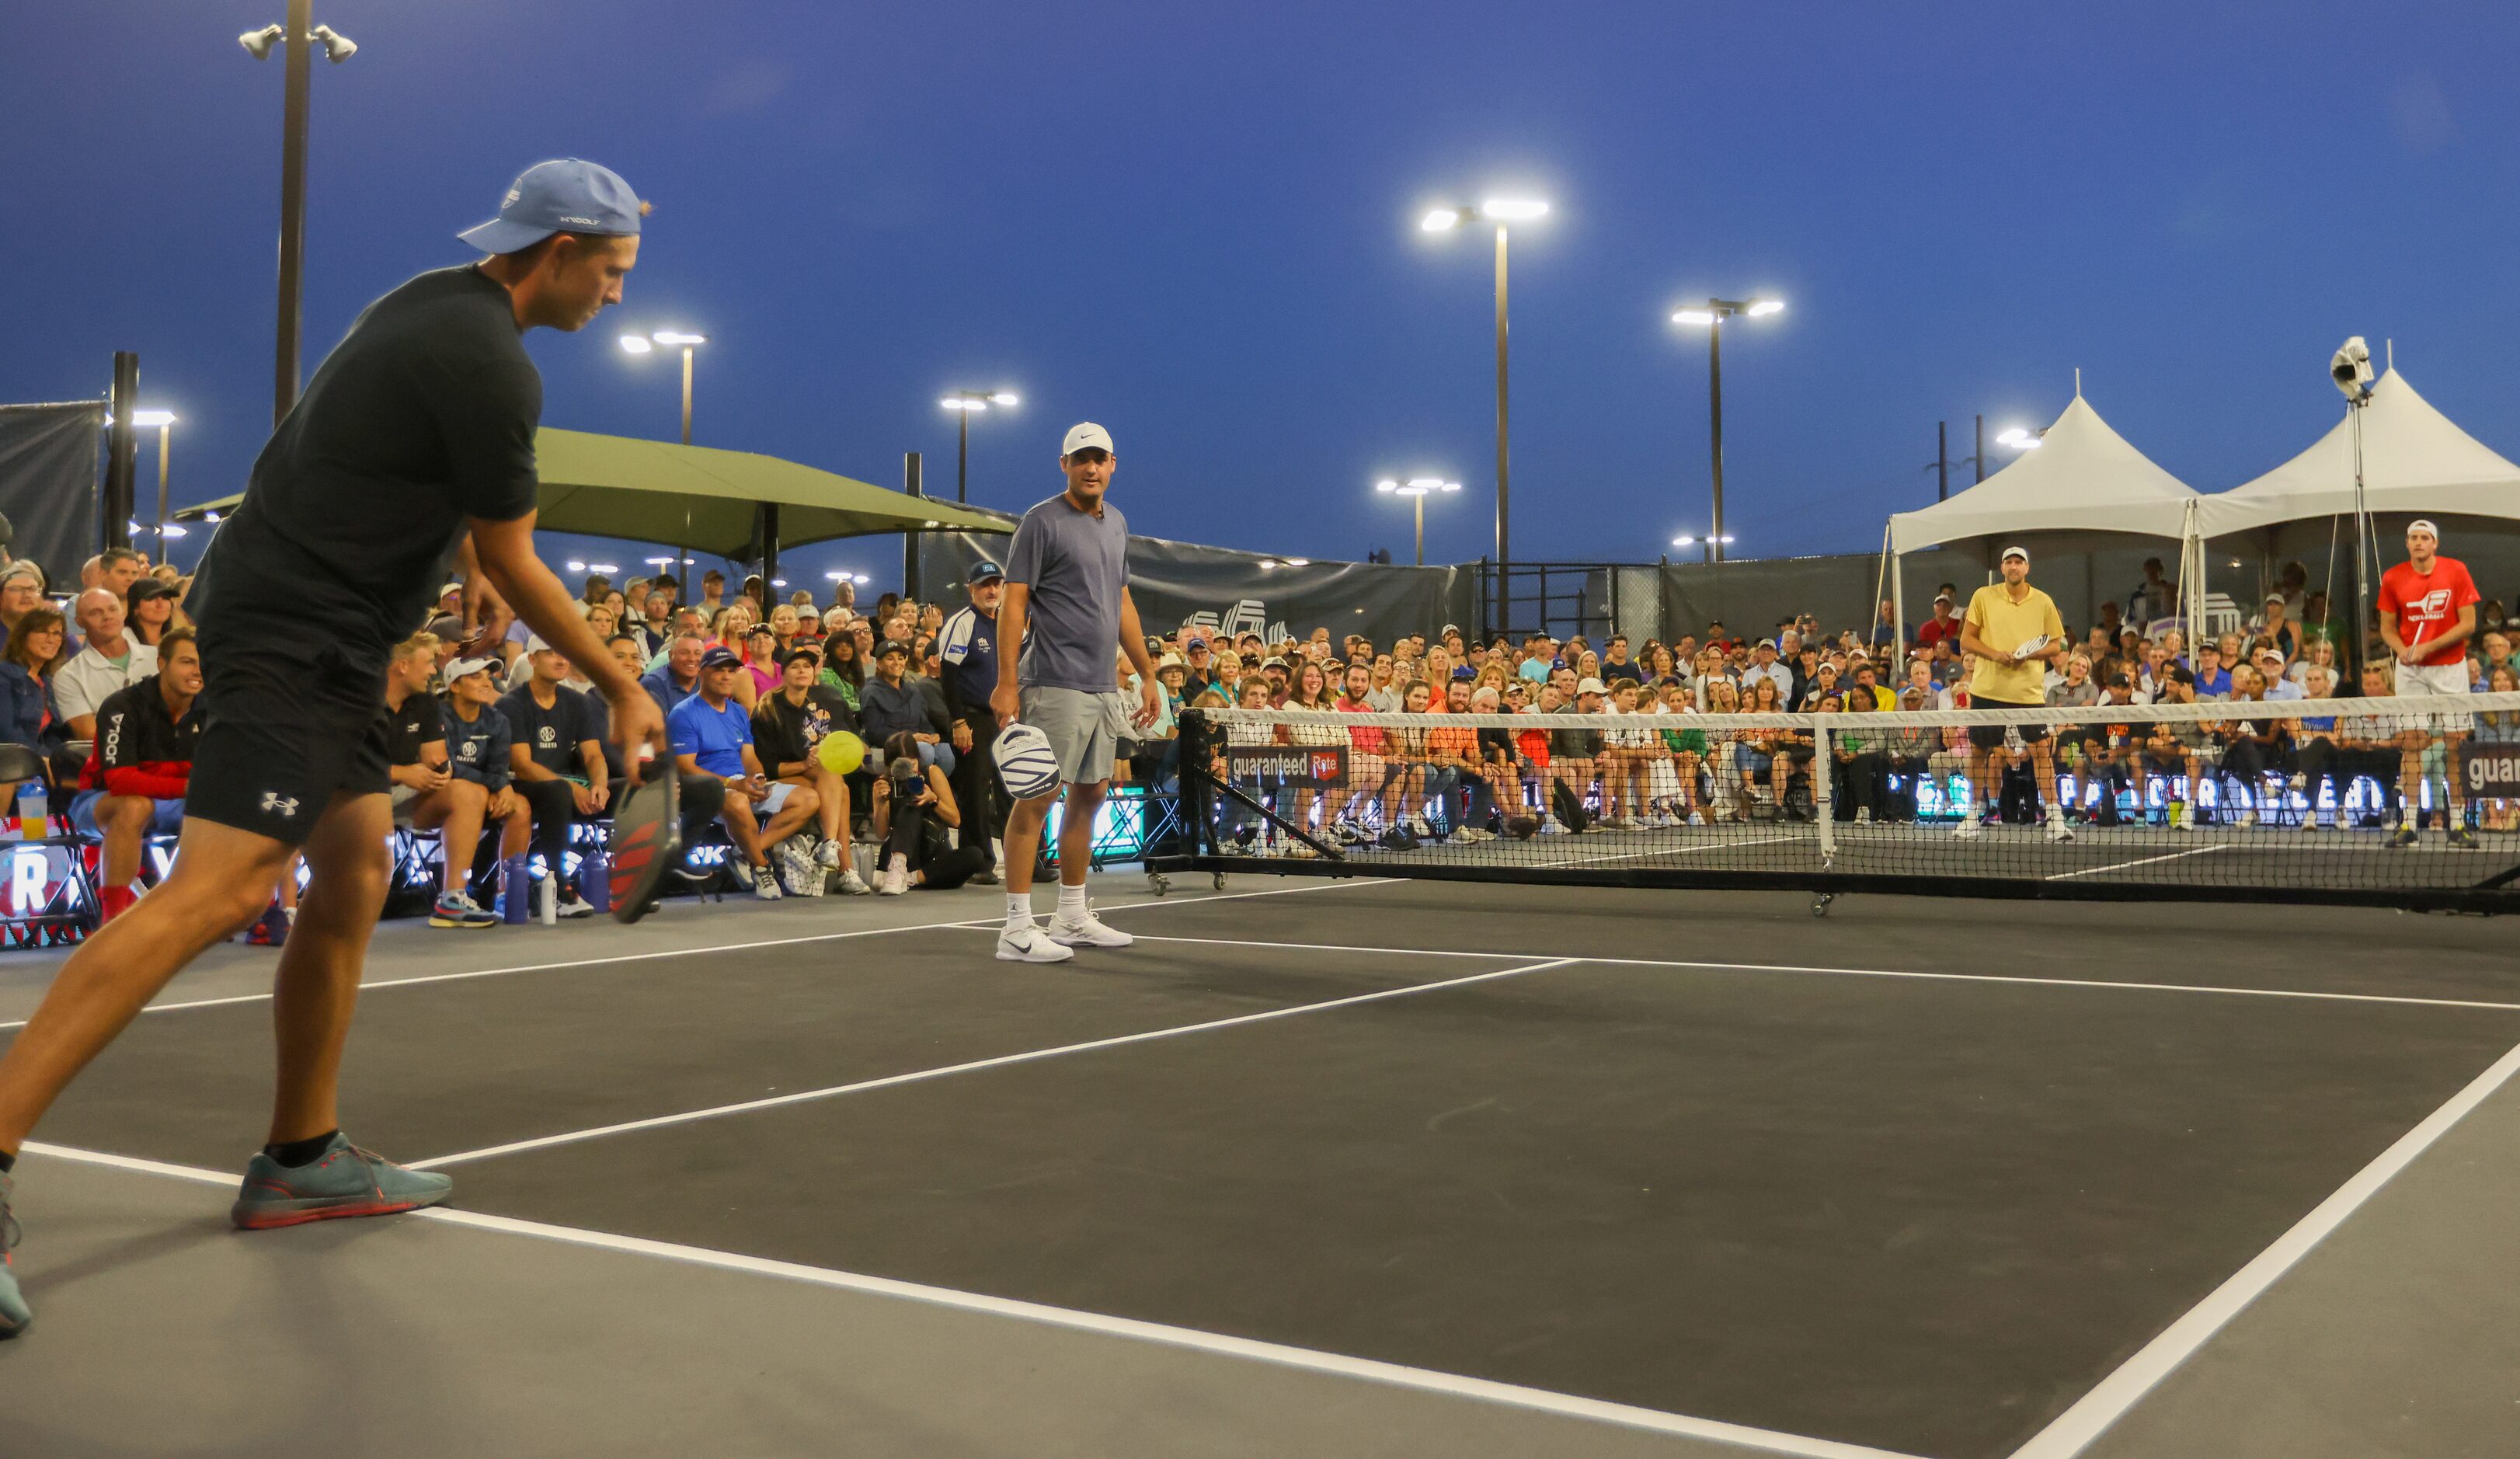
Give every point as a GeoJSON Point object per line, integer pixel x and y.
{"type": "Point", "coordinates": [720, 656]}
{"type": "Point", "coordinates": [563, 196]}
{"type": "Point", "coordinates": [984, 569]}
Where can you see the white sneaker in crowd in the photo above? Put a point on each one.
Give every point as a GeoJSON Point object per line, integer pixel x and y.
{"type": "Point", "coordinates": [1969, 829]}
{"type": "Point", "coordinates": [851, 884]}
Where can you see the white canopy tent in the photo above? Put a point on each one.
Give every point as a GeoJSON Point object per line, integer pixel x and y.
{"type": "Point", "coordinates": [2416, 462]}
{"type": "Point", "coordinates": [2083, 479]}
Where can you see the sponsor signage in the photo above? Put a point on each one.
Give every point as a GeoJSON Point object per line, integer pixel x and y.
{"type": "Point", "coordinates": [2490, 772]}
{"type": "Point", "coordinates": [1317, 766]}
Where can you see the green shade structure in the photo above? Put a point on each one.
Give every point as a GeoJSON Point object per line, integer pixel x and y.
{"type": "Point", "coordinates": [704, 499]}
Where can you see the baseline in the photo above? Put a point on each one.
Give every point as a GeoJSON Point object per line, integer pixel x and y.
{"type": "Point", "coordinates": [1427, 1379]}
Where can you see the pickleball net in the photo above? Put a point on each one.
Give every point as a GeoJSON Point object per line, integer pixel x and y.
{"type": "Point", "coordinates": [2405, 802]}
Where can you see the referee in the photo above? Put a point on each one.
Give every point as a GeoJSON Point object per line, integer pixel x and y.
{"type": "Point", "coordinates": [1067, 604]}
{"type": "Point", "coordinates": [2013, 630]}
{"type": "Point", "coordinates": [412, 448]}
{"type": "Point", "coordinates": [969, 645]}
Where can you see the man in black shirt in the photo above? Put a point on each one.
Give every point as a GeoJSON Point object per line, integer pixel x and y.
{"type": "Point", "coordinates": [413, 447]}
{"type": "Point", "coordinates": [558, 762]}
{"type": "Point", "coordinates": [789, 727]}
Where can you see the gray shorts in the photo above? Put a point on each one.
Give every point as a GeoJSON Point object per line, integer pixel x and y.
{"type": "Point", "coordinates": [1079, 727]}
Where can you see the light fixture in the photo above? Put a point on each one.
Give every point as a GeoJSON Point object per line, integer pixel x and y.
{"type": "Point", "coordinates": [1683, 541]}
{"type": "Point", "coordinates": [1762, 309]}
{"type": "Point", "coordinates": [677, 336]}
{"type": "Point", "coordinates": [958, 403]}
{"type": "Point", "coordinates": [337, 47]}
{"type": "Point", "coordinates": [170, 529]}
{"type": "Point", "coordinates": [931, 523]}
{"type": "Point", "coordinates": [1386, 486]}
{"type": "Point", "coordinates": [1694, 316]}
{"type": "Point", "coordinates": [660, 562]}
{"type": "Point", "coordinates": [1268, 562]}
{"type": "Point", "coordinates": [1514, 209]}
{"type": "Point", "coordinates": [1299, 561]}
{"type": "Point", "coordinates": [259, 43]}
{"type": "Point", "coordinates": [151, 418]}
{"type": "Point", "coordinates": [861, 577]}
{"type": "Point", "coordinates": [606, 568]}
{"type": "Point", "coordinates": [837, 576]}
{"type": "Point", "coordinates": [1441, 220]}
{"type": "Point", "coordinates": [1005, 397]}
{"type": "Point", "coordinates": [636, 343]}
{"type": "Point", "coordinates": [212, 518]}
{"type": "Point", "coordinates": [575, 566]}
{"type": "Point", "coordinates": [779, 582]}
{"type": "Point", "coordinates": [2020, 440]}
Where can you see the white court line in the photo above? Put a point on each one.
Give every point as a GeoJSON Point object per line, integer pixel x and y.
{"type": "Point", "coordinates": [1396, 1374]}
{"type": "Point", "coordinates": [864, 931]}
{"type": "Point", "coordinates": [1719, 845]}
{"type": "Point", "coordinates": [2074, 1430]}
{"type": "Point", "coordinates": [2094, 871]}
{"type": "Point", "coordinates": [1028, 1056]}
{"type": "Point", "coordinates": [2062, 983]}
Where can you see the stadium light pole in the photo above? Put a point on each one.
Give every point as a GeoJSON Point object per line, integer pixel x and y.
{"type": "Point", "coordinates": [297, 39]}
{"type": "Point", "coordinates": [1500, 212]}
{"type": "Point", "coordinates": [1712, 315]}
{"type": "Point", "coordinates": [164, 421]}
{"type": "Point", "coordinates": [1417, 489]}
{"type": "Point", "coordinates": [671, 338]}
{"type": "Point", "coordinates": [966, 404]}
{"type": "Point", "coordinates": [1710, 544]}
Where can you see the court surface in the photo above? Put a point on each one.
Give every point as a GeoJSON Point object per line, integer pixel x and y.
{"type": "Point", "coordinates": [1324, 1167]}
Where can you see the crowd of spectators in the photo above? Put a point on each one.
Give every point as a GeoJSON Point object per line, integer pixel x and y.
{"type": "Point", "coordinates": [503, 740]}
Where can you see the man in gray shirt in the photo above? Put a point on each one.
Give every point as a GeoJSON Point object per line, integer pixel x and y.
{"type": "Point", "coordinates": [1067, 582]}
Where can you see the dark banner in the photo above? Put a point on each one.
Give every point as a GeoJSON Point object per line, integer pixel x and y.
{"type": "Point", "coordinates": [1317, 766]}
{"type": "Point", "coordinates": [2491, 772]}
{"type": "Point", "coordinates": [49, 457]}
{"type": "Point", "coordinates": [1179, 584]}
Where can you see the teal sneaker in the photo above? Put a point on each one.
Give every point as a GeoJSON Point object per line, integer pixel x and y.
{"type": "Point", "coordinates": [15, 1317]}
{"type": "Point", "coordinates": [346, 1181]}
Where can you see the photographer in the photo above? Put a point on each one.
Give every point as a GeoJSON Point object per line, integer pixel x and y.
{"type": "Point", "coordinates": [913, 810]}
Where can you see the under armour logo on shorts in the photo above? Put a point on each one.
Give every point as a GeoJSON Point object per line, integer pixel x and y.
{"type": "Point", "coordinates": [286, 805]}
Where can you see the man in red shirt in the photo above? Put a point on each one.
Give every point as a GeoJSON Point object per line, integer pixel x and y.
{"type": "Point", "coordinates": [135, 778]}
{"type": "Point", "coordinates": [1942, 625]}
{"type": "Point", "coordinates": [1369, 775]}
{"type": "Point", "coordinates": [2427, 613]}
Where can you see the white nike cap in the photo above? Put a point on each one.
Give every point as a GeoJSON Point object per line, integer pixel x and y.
{"type": "Point", "coordinates": [2015, 552]}
{"type": "Point", "coordinates": [2423, 524]}
{"type": "Point", "coordinates": [1085, 436]}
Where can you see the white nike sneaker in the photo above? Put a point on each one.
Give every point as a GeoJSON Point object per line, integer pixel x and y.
{"type": "Point", "coordinates": [853, 884]}
{"type": "Point", "coordinates": [2057, 829]}
{"type": "Point", "coordinates": [828, 855]}
{"type": "Point", "coordinates": [1030, 945]}
{"type": "Point", "coordinates": [1087, 931]}
{"type": "Point", "coordinates": [1969, 829]}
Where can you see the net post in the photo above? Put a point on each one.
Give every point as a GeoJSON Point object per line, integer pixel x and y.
{"type": "Point", "coordinates": [1197, 826]}
{"type": "Point", "coordinates": [1823, 811]}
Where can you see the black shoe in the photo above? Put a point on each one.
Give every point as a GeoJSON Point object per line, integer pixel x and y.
{"type": "Point", "coordinates": [2464, 839]}
{"type": "Point", "coordinates": [2405, 837]}
{"type": "Point", "coordinates": [986, 876]}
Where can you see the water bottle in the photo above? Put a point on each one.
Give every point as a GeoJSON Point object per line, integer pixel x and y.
{"type": "Point", "coordinates": [547, 901]}
{"type": "Point", "coordinates": [516, 881]}
{"type": "Point", "coordinates": [35, 812]}
{"type": "Point", "coordinates": [595, 879]}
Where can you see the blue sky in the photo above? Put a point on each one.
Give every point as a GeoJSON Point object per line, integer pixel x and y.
{"type": "Point", "coordinates": [1197, 226]}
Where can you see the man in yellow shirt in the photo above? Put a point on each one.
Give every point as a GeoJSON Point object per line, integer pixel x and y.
{"type": "Point", "coordinates": [2013, 630]}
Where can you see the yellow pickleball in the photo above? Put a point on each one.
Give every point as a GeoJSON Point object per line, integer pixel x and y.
{"type": "Point", "coordinates": [842, 752]}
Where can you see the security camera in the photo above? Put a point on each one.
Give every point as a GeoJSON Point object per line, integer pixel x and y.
{"type": "Point", "coordinates": [2350, 368]}
{"type": "Point", "coordinates": [259, 43]}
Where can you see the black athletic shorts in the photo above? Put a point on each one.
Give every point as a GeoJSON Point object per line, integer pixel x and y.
{"type": "Point", "coordinates": [1991, 736]}
{"type": "Point", "coordinates": [285, 729]}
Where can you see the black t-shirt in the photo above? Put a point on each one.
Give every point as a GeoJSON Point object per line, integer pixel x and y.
{"type": "Point", "coordinates": [424, 415]}
{"type": "Point", "coordinates": [552, 736]}
{"type": "Point", "coordinates": [782, 733]}
{"type": "Point", "coordinates": [419, 721]}
{"type": "Point", "coordinates": [1612, 673]}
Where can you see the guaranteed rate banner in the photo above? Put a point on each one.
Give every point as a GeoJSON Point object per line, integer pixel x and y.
{"type": "Point", "coordinates": [1311, 766]}
{"type": "Point", "coordinates": [2492, 771]}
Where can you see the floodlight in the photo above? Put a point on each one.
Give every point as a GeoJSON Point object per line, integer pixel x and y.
{"type": "Point", "coordinates": [1386, 486]}
{"type": "Point", "coordinates": [259, 43]}
{"type": "Point", "coordinates": [606, 568]}
{"type": "Point", "coordinates": [575, 566]}
{"type": "Point", "coordinates": [637, 344]}
{"type": "Point", "coordinates": [1514, 209]}
{"type": "Point", "coordinates": [1005, 397]}
{"type": "Point", "coordinates": [170, 529]}
{"type": "Point", "coordinates": [1298, 561]}
{"type": "Point", "coordinates": [2350, 368]}
{"type": "Point", "coordinates": [677, 336]}
{"type": "Point", "coordinates": [1762, 309]}
{"type": "Point", "coordinates": [1441, 220]}
{"type": "Point", "coordinates": [1694, 316]}
{"type": "Point", "coordinates": [151, 418]}
{"type": "Point", "coordinates": [337, 47]}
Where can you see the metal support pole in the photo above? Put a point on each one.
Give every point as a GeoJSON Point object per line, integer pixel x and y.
{"type": "Point", "coordinates": [296, 53]}
{"type": "Point", "coordinates": [1422, 530]}
{"type": "Point", "coordinates": [1979, 460]}
{"type": "Point", "coordinates": [1942, 461]}
{"type": "Point", "coordinates": [163, 431]}
{"type": "Point", "coordinates": [962, 459]}
{"type": "Point", "coordinates": [769, 546]}
{"type": "Point", "coordinates": [913, 481]}
{"type": "Point", "coordinates": [123, 447]}
{"type": "Point", "coordinates": [1504, 545]}
{"type": "Point", "coordinates": [687, 395]}
{"type": "Point", "coordinates": [1715, 409]}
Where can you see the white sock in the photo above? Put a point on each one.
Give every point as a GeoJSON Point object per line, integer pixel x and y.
{"type": "Point", "coordinates": [1071, 903]}
{"type": "Point", "coordinates": [1018, 911]}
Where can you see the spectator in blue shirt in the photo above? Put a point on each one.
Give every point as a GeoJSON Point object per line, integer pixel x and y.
{"type": "Point", "coordinates": [712, 738]}
{"type": "Point", "coordinates": [680, 677]}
